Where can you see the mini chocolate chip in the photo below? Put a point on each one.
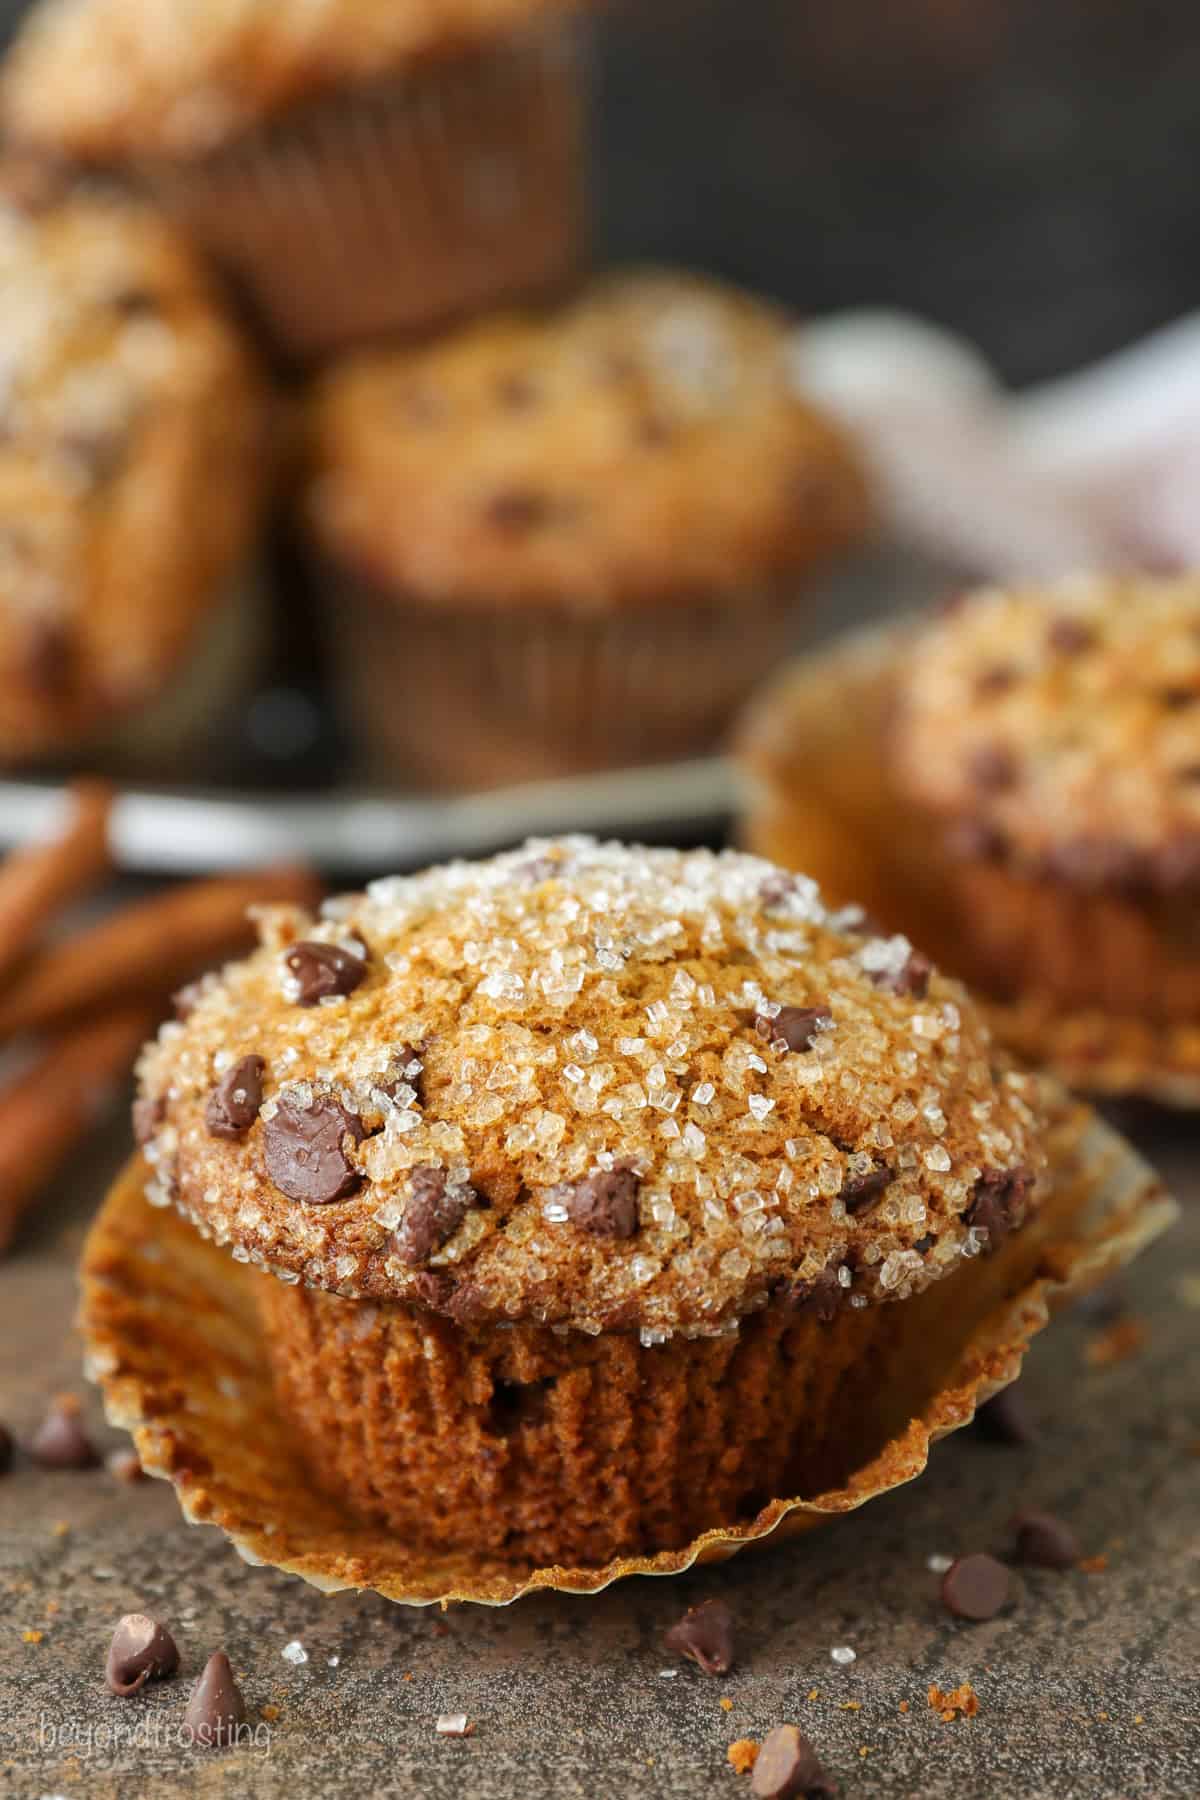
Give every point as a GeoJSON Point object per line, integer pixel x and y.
{"type": "Point", "coordinates": [997, 679]}
{"type": "Point", "coordinates": [796, 1026]}
{"type": "Point", "coordinates": [304, 1154]}
{"type": "Point", "coordinates": [1045, 1541]}
{"type": "Point", "coordinates": [431, 1217]}
{"type": "Point", "coordinates": [605, 1203]}
{"type": "Point", "coordinates": [925, 1242]}
{"type": "Point", "coordinates": [861, 1191]}
{"type": "Point", "coordinates": [1005, 1419]}
{"type": "Point", "coordinates": [822, 1296]}
{"type": "Point", "coordinates": [976, 1587]}
{"type": "Point", "coordinates": [142, 1650]}
{"type": "Point", "coordinates": [788, 1768]}
{"type": "Point", "coordinates": [912, 979]}
{"type": "Point", "coordinates": [234, 1102]}
{"type": "Point", "coordinates": [1069, 635]}
{"type": "Point", "coordinates": [49, 658]}
{"type": "Point", "coordinates": [995, 1200]}
{"type": "Point", "coordinates": [149, 1111]}
{"type": "Point", "coordinates": [216, 1707]}
{"type": "Point", "coordinates": [518, 509]}
{"type": "Point", "coordinates": [7, 1449]}
{"type": "Point", "coordinates": [993, 767]}
{"type": "Point", "coordinates": [60, 1442]}
{"type": "Point", "coordinates": [323, 971]}
{"type": "Point", "coordinates": [705, 1633]}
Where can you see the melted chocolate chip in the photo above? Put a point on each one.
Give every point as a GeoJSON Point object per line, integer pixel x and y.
{"type": "Point", "coordinates": [605, 1203]}
{"type": "Point", "coordinates": [216, 1707]}
{"type": "Point", "coordinates": [912, 979]}
{"type": "Point", "coordinates": [431, 1217]}
{"type": "Point", "coordinates": [142, 1650]}
{"type": "Point", "coordinates": [234, 1102]}
{"type": "Point", "coordinates": [1069, 636]}
{"type": "Point", "coordinates": [149, 1111]}
{"type": "Point", "coordinates": [1045, 1541]}
{"type": "Point", "coordinates": [862, 1191]}
{"type": "Point", "coordinates": [798, 1027]}
{"type": "Point", "coordinates": [304, 1153]}
{"type": "Point", "coordinates": [705, 1634]}
{"type": "Point", "coordinates": [997, 1197]}
{"type": "Point", "coordinates": [976, 1587]}
{"type": "Point", "coordinates": [323, 971]}
{"type": "Point", "coordinates": [788, 1768]}
{"type": "Point", "coordinates": [60, 1442]}
{"type": "Point", "coordinates": [994, 768]}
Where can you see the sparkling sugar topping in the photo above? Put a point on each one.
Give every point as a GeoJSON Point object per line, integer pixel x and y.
{"type": "Point", "coordinates": [604, 1087]}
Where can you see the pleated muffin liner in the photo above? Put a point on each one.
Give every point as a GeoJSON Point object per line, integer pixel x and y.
{"type": "Point", "coordinates": [818, 798]}
{"type": "Point", "coordinates": [481, 697]}
{"type": "Point", "coordinates": [399, 204]}
{"type": "Point", "coordinates": [173, 1336]}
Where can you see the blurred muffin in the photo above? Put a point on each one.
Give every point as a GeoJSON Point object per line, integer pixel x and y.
{"type": "Point", "coordinates": [559, 540]}
{"type": "Point", "coordinates": [596, 1188]}
{"type": "Point", "coordinates": [1055, 735]}
{"type": "Point", "coordinates": [358, 167]}
{"type": "Point", "coordinates": [131, 452]}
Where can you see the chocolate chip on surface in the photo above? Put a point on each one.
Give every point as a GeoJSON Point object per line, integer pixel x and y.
{"type": "Point", "coordinates": [976, 1587]}
{"type": "Point", "coordinates": [1045, 1541]}
{"type": "Point", "coordinates": [303, 1148]}
{"type": "Point", "coordinates": [822, 1296]}
{"type": "Point", "coordinates": [994, 768]}
{"type": "Point", "coordinates": [911, 979]}
{"type": "Point", "coordinates": [142, 1650]}
{"type": "Point", "coordinates": [606, 1203]}
{"type": "Point", "coordinates": [60, 1441]}
{"type": "Point", "coordinates": [234, 1102]}
{"type": "Point", "coordinates": [788, 1768]}
{"type": "Point", "coordinates": [797, 1027]}
{"type": "Point", "coordinates": [705, 1634]}
{"type": "Point", "coordinates": [216, 1707]}
{"type": "Point", "coordinates": [432, 1216]}
{"type": "Point", "coordinates": [997, 1197]}
{"type": "Point", "coordinates": [321, 972]}
{"type": "Point", "coordinates": [1005, 1418]}
{"type": "Point", "coordinates": [862, 1189]}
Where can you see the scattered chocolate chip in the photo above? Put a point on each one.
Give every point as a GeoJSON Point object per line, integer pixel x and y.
{"type": "Point", "coordinates": [605, 1203]}
{"type": "Point", "coordinates": [7, 1449]}
{"type": "Point", "coordinates": [149, 1111]}
{"type": "Point", "coordinates": [1005, 1418]}
{"type": "Point", "coordinates": [60, 1442]}
{"type": "Point", "coordinates": [126, 1466]}
{"type": "Point", "coordinates": [322, 971]}
{"type": "Point", "coordinates": [996, 1198]}
{"type": "Point", "coordinates": [912, 979]}
{"type": "Point", "coordinates": [304, 1154]}
{"type": "Point", "coordinates": [1045, 1541]}
{"type": "Point", "coordinates": [216, 1707]}
{"type": "Point", "coordinates": [925, 1242]}
{"type": "Point", "coordinates": [997, 680]}
{"type": "Point", "coordinates": [822, 1296]}
{"type": "Point", "coordinates": [993, 767]}
{"type": "Point", "coordinates": [705, 1633]}
{"type": "Point", "coordinates": [1069, 635]}
{"type": "Point", "coordinates": [976, 1587]}
{"type": "Point", "coordinates": [142, 1650]}
{"type": "Point", "coordinates": [518, 509]}
{"type": "Point", "coordinates": [796, 1026]}
{"type": "Point", "coordinates": [861, 1191]}
{"type": "Point", "coordinates": [431, 1217]}
{"type": "Point", "coordinates": [234, 1102]}
{"type": "Point", "coordinates": [49, 658]}
{"type": "Point", "coordinates": [788, 1768]}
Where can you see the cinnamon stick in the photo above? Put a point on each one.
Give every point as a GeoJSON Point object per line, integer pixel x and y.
{"type": "Point", "coordinates": [37, 881]}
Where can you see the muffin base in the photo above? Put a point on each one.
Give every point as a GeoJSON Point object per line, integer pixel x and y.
{"type": "Point", "coordinates": [1101, 989]}
{"type": "Point", "coordinates": [456, 698]}
{"type": "Point", "coordinates": [173, 1335]}
{"type": "Point", "coordinates": [399, 205]}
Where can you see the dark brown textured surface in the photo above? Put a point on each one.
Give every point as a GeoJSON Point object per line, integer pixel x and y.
{"type": "Point", "coordinates": [566, 1693]}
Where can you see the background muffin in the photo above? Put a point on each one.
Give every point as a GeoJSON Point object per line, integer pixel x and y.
{"type": "Point", "coordinates": [582, 1176]}
{"type": "Point", "coordinates": [357, 167]}
{"type": "Point", "coordinates": [563, 539]}
{"type": "Point", "coordinates": [1055, 735]}
{"type": "Point", "coordinates": [131, 463]}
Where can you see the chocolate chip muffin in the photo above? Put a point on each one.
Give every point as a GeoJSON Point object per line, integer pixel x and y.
{"type": "Point", "coordinates": [1054, 735]}
{"type": "Point", "coordinates": [563, 539]}
{"type": "Point", "coordinates": [132, 437]}
{"type": "Point", "coordinates": [594, 1188]}
{"type": "Point", "coordinates": [358, 168]}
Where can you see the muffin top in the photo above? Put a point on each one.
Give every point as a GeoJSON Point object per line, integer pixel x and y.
{"type": "Point", "coordinates": [1059, 728]}
{"type": "Point", "coordinates": [101, 80]}
{"type": "Point", "coordinates": [647, 442]}
{"type": "Point", "coordinates": [131, 435]}
{"type": "Point", "coordinates": [583, 1084]}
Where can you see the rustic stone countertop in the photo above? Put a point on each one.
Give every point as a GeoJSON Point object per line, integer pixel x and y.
{"type": "Point", "coordinates": [1087, 1687]}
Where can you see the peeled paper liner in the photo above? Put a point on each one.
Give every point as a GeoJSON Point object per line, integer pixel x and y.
{"type": "Point", "coordinates": [173, 1339]}
{"type": "Point", "coordinates": [819, 800]}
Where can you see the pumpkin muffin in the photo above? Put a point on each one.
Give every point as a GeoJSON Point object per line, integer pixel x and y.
{"type": "Point", "coordinates": [1054, 735]}
{"type": "Point", "coordinates": [358, 167]}
{"type": "Point", "coordinates": [562, 539]}
{"type": "Point", "coordinates": [593, 1187]}
{"type": "Point", "coordinates": [132, 438]}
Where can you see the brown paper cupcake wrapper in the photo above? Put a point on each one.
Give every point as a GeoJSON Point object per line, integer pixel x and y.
{"type": "Point", "coordinates": [173, 1336]}
{"type": "Point", "coordinates": [818, 799]}
{"type": "Point", "coordinates": [398, 205]}
{"type": "Point", "coordinates": [481, 699]}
